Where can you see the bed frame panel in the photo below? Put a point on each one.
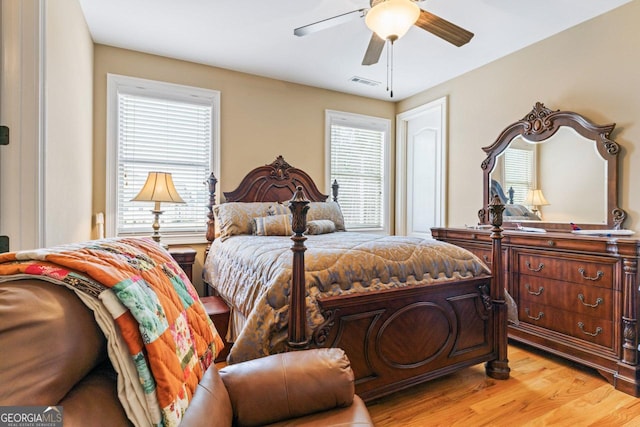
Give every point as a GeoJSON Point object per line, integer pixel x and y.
{"type": "Point", "coordinates": [465, 321]}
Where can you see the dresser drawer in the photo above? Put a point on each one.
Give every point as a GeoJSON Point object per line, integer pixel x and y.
{"type": "Point", "coordinates": [582, 271]}
{"type": "Point", "coordinates": [482, 253]}
{"type": "Point", "coordinates": [590, 300]}
{"type": "Point", "coordinates": [587, 328]}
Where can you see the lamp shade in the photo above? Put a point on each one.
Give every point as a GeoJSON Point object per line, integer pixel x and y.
{"type": "Point", "coordinates": [535, 198]}
{"type": "Point", "coordinates": [391, 19]}
{"type": "Point", "coordinates": [159, 188]}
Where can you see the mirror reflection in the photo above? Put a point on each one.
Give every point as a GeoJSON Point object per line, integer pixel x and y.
{"type": "Point", "coordinates": [561, 179]}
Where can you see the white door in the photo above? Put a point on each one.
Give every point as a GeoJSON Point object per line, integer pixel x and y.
{"type": "Point", "coordinates": [421, 169]}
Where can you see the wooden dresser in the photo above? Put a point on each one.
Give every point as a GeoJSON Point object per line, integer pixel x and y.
{"type": "Point", "coordinates": [577, 296]}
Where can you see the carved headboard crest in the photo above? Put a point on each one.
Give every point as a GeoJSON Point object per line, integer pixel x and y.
{"type": "Point", "coordinates": [280, 168]}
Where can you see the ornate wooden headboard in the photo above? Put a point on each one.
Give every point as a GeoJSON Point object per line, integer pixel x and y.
{"type": "Point", "coordinates": [276, 182]}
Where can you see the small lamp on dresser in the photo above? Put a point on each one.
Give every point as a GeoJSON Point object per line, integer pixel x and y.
{"type": "Point", "coordinates": [534, 199]}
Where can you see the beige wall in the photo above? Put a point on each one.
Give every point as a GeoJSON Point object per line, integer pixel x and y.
{"type": "Point", "coordinates": [591, 69]}
{"type": "Point", "coordinates": [68, 124]}
{"type": "Point", "coordinates": [260, 117]}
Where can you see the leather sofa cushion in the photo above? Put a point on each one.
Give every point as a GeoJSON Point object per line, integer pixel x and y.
{"type": "Point", "coordinates": [355, 415]}
{"type": "Point", "coordinates": [288, 385]}
{"type": "Point", "coordinates": [210, 405]}
{"type": "Point", "coordinates": [49, 341]}
{"type": "Point", "coordinates": [94, 401]}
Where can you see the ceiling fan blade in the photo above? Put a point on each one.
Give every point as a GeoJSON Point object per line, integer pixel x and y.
{"type": "Point", "coordinates": [329, 22]}
{"type": "Point", "coordinates": [374, 50]}
{"type": "Point", "coordinates": [443, 29]}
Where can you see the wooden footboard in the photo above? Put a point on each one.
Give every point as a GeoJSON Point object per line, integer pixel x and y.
{"type": "Point", "coordinates": [401, 337]}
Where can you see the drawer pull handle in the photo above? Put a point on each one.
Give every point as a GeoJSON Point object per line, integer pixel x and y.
{"type": "Point", "coordinates": [598, 301]}
{"type": "Point", "coordinates": [540, 266]}
{"type": "Point", "coordinates": [598, 276]}
{"type": "Point", "coordinates": [592, 334]}
{"type": "Point", "coordinates": [486, 259]}
{"type": "Point", "coordinates": [536, 293]}
{"type": "Point", "coordinates": [540, 315]}
{"type": "Point", "coordinates": [551, 243]}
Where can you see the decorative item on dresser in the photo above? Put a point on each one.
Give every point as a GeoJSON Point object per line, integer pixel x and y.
{"type": "Point", "coordinates": [576, 291]}
{"type": "Point", "coordinates": [395, 336]}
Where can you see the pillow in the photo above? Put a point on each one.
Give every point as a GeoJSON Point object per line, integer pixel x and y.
{"type": "Point", "coordinates": [273, 225]}
{"type": "Point", "coordinates": [321, 226]}
{"type": "Point", "coordinates": [279, 209]}
{"type": "Point", "coordinates": [326, 210]}
{"type": "Point", "coordinates": [236, 218]}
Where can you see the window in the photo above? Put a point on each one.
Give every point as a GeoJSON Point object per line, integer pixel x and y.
{"type": "Point", "coordinates": [156, 126]}
{"type": "Point", "coordinates": [358, 158]}
{"type": "Point", "coordinates": [518, 172]}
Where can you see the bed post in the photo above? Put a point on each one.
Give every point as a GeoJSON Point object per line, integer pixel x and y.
{"type": "Point", "coordinates": [334, 190]}
{"type": "Point", "coordinates": [499, 367]}
{"type": "Point", "coordinates": [211, 181]}
{"type": "Point", "coordinates": [299, 206]}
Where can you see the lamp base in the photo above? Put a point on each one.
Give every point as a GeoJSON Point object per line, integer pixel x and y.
{"type": "Point", "coordinates": [156, 227]}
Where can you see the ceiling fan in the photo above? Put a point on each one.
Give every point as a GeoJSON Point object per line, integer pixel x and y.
{"type": "Point", "coordinates": [406, 13]}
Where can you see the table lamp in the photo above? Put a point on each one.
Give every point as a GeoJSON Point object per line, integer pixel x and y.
{"type": "Point", "coordinates": [158, 188]}
{"type": "Point", "coordinates": [534, 199]}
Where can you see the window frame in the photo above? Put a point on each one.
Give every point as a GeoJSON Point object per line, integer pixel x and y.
{"type": "Point", "coordinates": [532, 160]}
{"type": "Point", "coordinates": [171, 91]}
{"type": "Point", "coordinates": [370, 123]}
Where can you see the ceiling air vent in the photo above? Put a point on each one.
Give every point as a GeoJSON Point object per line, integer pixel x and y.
{"type": "Point", "coordinates": [364, 81]}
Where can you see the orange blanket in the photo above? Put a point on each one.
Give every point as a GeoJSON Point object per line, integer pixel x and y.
{"type": "Point", "coordinates": [169, 336]}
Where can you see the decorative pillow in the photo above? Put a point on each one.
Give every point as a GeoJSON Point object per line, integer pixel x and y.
{"type": "Point", "coordinates": [236, 218]}
{"type": "Point", "coordinates": [321, 226]}
{"type": "Point", "coordinates": [326, 210]}
{"type": "Point", "coordinates": [279, 209]}
{"type": "Point", "coordinates": [273, 225]}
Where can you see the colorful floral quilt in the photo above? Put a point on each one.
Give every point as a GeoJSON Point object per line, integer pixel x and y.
{"type": "Point", "coordinates": [151, 307]}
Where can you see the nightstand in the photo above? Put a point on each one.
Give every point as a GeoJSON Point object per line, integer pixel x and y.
{"type": "Point", "coordinates": [185, 257]}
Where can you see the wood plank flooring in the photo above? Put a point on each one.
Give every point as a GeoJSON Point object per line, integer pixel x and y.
{"type": "Point", "coordinates": [543, 390]}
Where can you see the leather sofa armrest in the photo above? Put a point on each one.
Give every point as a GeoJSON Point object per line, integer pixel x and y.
{"type": "Point", "coordinates": [288, 385]}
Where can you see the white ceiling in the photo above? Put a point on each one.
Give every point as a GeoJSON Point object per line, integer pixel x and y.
{"type": "Point", "coordinates": [257, 37]}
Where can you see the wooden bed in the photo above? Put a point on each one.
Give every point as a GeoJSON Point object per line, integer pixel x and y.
{"type": "Point", "coordinates": [394, 338]}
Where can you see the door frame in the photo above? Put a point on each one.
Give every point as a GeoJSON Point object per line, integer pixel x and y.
{"type": "Point", "coordinates": [402, 120]}
{"type": "Point", "coordinates": [22, 207]}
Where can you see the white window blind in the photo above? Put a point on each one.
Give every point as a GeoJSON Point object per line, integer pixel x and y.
{"type": "Point", "coordinates": [172, 131]}
{"type": "Point", "coordinates": [357, 161]}
{"type": "Point", "coordinates": [518, 173]}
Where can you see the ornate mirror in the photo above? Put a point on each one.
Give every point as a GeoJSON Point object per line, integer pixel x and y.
{"type": "Point", "coordinates": [553, 168]}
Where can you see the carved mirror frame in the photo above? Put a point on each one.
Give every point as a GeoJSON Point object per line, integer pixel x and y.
{"type": "Point", "coordinates": [539, 125]}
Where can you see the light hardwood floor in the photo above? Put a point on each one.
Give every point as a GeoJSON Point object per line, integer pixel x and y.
{"type": "Point", "coordinates": [543, 391]}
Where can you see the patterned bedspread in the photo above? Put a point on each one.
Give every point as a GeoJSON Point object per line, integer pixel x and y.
{"type": "Point", "coordinates": [160, 339]}
{"type": "Point", "coordinates": [253, 275]}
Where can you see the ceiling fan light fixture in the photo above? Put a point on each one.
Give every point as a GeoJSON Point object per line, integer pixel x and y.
{"type": "Point", "coordinates": [391, 19]}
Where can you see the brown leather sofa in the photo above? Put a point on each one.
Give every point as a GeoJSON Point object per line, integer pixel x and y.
{"type": "Point", "coordinates": [52, 352]}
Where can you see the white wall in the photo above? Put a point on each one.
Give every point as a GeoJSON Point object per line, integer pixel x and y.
{"type": "Point", "coordinates": [68, 103]}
